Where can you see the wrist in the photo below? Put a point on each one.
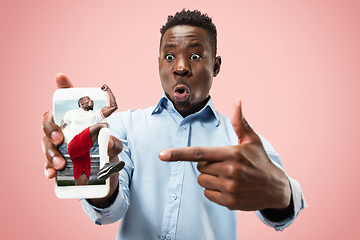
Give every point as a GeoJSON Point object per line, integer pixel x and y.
{"type": "Point", "coordinates": [106, 201]}
{"type": "Point", "coordinates": [279, 214]}
{"type": "Point", "coordinates": [280, 190]}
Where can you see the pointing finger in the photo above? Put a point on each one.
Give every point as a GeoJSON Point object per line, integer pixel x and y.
{"type": "Point", "coordinates": [196, 154]}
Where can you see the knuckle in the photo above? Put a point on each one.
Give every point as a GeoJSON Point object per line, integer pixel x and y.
{"type": "Point", "coordinates": [49, 153]}
{"type": "Point", "coordinates": [198, 153]}
{"type": "Point", "coordinates": [232, 171]}
{"type": "Point", "coordinates": [234, 152]}
{"type": "Point", "coordinates": [45, 142]}
{"type": "Point", "coordinates": [231, 187]}
{"type": "Point", "coordinates": [48, 165]}
{"type": "Point", "coordinates": [49, 148]}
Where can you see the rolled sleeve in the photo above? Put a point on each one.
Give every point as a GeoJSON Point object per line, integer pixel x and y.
{"type": "Point", "coordinates": [114, 212]}
{"type": "Point", "coordinates": [296, 192]}
{"type": "Point", "coordinates": [299, 204]}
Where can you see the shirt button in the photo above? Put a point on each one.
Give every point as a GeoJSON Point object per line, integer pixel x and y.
{"type": "Point", "coordinates": [168, 237]}
{"type": "Point", "coordinates": [173, 197]}
{"type": "Point", "coordinates": [183, 127]}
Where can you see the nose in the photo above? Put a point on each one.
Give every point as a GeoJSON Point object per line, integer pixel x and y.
{"type": "Point", "coordinates": [181, 68]}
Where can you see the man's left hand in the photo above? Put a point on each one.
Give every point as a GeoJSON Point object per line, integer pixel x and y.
{"type": "Point", "coordinates": [240, 177]}
{"type": "Point", "coordinates": [104, 87]}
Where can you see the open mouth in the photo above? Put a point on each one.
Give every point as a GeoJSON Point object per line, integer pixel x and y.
{"type": "Point", "coordinates": [181, 93]}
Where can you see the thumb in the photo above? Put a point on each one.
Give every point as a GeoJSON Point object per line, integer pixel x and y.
{"type": "Point", "coordinates": [63, 81]}
{"type": "Point", "coordinates": [240, 125]}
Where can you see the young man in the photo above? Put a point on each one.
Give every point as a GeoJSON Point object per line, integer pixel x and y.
{"type": "Point", "coordinates": [85, 128]}
{"type": "Point", "coordinates": [210, 164]}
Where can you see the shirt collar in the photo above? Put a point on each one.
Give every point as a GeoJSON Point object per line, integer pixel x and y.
{"type": "Point", "coordinates": [165, 103]}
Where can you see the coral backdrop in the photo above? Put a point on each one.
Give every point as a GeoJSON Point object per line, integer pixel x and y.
{"type": "Point", "coordinates": [295, 65]}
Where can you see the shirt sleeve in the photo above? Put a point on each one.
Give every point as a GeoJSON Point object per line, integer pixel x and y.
{"type": "Point", "coordinates": [296, 193]}
{"type": "Point", "coordinates": [114, 212]}
{"type": "Point", "coordinates": [299, 204]}
{"type": "Point", "coordinates": [100, 117]}
{"type": "Point", "coordinates": [66, 117]}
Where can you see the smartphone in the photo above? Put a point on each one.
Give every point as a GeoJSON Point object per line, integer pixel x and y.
{"type": "Point", "coordinates": [64, 100]}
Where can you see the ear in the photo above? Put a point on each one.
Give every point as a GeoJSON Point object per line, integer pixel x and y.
{"type": "Point", "coordinates": [217, 64]}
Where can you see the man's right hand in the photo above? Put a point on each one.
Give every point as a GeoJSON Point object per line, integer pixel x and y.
{"type": "Point", "coordinates": [55, 161]}
{"type": "Point", "coordinates": [53, 135]}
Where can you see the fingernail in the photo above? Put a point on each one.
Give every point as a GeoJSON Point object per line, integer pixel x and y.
{"type": "Point", "coordinates": [164, 155]}
{"type": "Point", "coordinates": [57, 162]}
{"type": "Point", "coordinates": [56, 137]}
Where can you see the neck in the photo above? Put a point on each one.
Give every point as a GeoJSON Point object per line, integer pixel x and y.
{"type": "Point", "coordinates": [194, 109]}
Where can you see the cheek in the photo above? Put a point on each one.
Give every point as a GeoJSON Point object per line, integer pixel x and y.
{"type": "Point", "coordinates": [165, 82]}
{"type": "Point", "coordinates": [205, 80]}
{"type": "Point", "coordinates": [163, 76]}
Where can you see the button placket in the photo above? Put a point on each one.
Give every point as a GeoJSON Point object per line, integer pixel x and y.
{"type": "Point", "coordinates": [172, 206]}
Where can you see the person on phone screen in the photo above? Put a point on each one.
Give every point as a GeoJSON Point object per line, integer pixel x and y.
{"type": "Point", "coordinates": [189, 169]}
{"type": "Point", "coordinates": [85, 127]}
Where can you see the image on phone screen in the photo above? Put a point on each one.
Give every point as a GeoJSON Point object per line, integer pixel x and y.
{"type": "Point", "coordinates": [79, 178]}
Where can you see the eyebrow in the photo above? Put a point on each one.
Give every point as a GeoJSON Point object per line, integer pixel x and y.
{"type": "Point", "coordinates": [196, 44]}
{"type": "Point", "coordinates": [191, 45]}
{"type": "Point", "coordinates": [169, 46]}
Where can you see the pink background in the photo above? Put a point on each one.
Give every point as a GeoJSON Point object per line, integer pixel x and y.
{"type": "Point", "coordinates": [295, 65]}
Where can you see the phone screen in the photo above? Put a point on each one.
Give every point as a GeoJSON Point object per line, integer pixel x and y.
{"type": "Point", "coordinates": [65, 103]}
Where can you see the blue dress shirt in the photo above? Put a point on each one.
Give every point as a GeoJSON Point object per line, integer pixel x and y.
{"type": "Point", "coordinates": [162, 200]}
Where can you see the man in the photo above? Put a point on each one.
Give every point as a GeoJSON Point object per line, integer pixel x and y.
{"type": "Point", "coordinates": [210, 165]}
{"type": "Point", "coordinates": [85, 127]}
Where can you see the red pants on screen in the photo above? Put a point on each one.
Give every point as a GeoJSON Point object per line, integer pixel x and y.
{"type": "Point", "coordinates": [79, 151]}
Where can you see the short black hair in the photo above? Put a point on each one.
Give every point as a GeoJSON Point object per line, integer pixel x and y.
{"type": "Point", "coordinates": [196, 19]}
{"type": "Point", "coordinates": [81, 100]}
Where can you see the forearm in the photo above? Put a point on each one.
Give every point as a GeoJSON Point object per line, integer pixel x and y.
{"type": "Point", "coordinates": [108, 110]}
{"type": "Point", "coordinates": [112, 99]}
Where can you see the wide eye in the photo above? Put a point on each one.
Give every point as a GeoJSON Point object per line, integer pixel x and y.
{"type": "Point", "coordinates": [169, 57]}
{"type": "Point", "coordinates": [194, 56]}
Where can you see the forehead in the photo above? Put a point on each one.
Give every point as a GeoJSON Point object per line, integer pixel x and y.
{"type": "Point", "coordinates": [184, 34]}
{"type": "Point", "coordinates": [86, 98]}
